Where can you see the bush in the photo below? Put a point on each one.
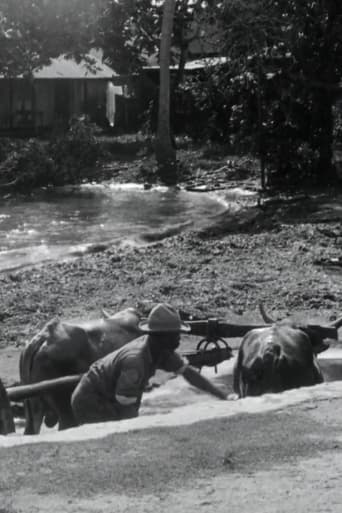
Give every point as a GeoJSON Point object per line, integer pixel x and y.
{"type": "Point", "coordinates": [76, 153]}
{"type": "Point", "coordinates": [29, 166]}
{"type": "Point", "coordinates": [68, 159]}
{"type": "Point", "coordinates": [6, 146]}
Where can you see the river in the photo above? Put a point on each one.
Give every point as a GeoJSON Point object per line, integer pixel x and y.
{"type": "Point", "coordinates": [55, 224]}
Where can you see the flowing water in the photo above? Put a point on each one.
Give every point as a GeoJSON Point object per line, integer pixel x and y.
{"type": "Point", "coordinates": [67, 221]}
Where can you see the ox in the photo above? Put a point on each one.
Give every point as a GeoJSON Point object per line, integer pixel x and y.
{"type": "Point", "coordinates": [62, 349]}
{"type": "Point", "coordinates": [280, 357]}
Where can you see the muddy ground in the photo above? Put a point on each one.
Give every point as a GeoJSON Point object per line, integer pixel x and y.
{"type": "Point", "coordinates": [284, 251]}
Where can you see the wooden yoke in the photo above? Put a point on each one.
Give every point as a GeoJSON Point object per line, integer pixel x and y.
{"type": "Point", "coordinates": [217, 328]}
{"type": "Point", "coordinates": [221, 329]}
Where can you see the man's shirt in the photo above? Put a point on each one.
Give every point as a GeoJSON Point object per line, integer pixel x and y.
{"type": "Point", "coordinates": [122, 376]}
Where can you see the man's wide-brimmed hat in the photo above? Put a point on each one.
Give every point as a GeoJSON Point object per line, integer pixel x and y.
{"type": "Point", "coordinates": [164, 318]}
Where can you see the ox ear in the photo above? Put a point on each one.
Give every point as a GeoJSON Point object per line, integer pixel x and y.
{"type": "Point", "coordinates": [105, 314]}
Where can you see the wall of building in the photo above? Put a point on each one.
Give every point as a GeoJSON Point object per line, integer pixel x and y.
{"type": "Point", "coordinates": [26, 105]}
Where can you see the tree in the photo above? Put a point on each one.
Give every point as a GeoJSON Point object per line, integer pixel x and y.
{"type": "Point", "coordinates": [128, 33]}
{"type": "Point", "coordinates": [129, 30]}
{"type": "Point", "coordinates": [297, 48]}
{"type": "Point", "coordinates": [33, 32]}
{"type": "Point", "coordinates": [165, 152]}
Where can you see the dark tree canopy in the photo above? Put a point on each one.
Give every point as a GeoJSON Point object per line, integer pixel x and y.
{"type": "Point", "coordinates": [291, 54]}
{"type": "Point", "coordinates": [32, 32]}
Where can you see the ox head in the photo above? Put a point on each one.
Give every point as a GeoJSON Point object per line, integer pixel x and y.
{"type": "Point", "coordinates": [318, 335]}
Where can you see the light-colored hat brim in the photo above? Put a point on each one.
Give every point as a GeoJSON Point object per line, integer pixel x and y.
{"type": "Point", "coordinates": [143, 326]}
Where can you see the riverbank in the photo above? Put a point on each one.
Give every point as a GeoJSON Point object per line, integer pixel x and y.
{"type": "Point", "coordinates": [285, 253]}
{"type": "Point", "coordinates": [288, 459]}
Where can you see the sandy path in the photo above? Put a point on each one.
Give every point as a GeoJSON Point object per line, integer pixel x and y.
{"type": "Point", "coordinates": [275, 482]}
{"type": "Point", "coordinates": [286, 458]}
{"type": "Point", "coordinates": [312, 483]}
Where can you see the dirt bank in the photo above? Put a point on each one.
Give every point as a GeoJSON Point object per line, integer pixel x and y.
{"type": "Point", "coordinates": [288, 460]}
{"type": "Point", "coordinates": [285, 254]}
{"type": "Point", "coordinates": [293, 267]}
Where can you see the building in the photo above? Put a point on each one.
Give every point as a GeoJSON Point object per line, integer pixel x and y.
{"type": "Point", "coordinates": [54, 94]}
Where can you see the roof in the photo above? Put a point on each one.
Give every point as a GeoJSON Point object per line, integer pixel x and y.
{"type": "Point", "coordinates": [62, 67]}
{"type": "Point", "coordinates": [197, 63]}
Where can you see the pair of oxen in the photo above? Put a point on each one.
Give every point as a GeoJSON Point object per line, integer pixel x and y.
{"type": "Point", "coordinates": [272, 357]}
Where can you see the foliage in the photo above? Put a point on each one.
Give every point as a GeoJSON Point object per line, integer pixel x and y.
{"type": "Point", "coordinates": [75, 153]}
{"type": "Point", "coordinates": [129, 31]}
{"type": "Point", "coordinates": [28, 166]}
{"type": "Point", "coordinates": [33, 32]}
{"type": "Point", "coordinates": [338, 124]}
{"type": "Point", "coordinates": [207, 98]}
{"type": "Point", "coordinates": [288, 58]}
{"type": "Point", "coordinates": [68, 159]}
{"type": "Point", "coordinates": [7, 145]}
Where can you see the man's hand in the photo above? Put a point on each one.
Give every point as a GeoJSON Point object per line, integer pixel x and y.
{"type": "Point", "coordinates": [199, 381]}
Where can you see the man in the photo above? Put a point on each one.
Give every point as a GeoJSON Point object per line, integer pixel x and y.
{"type": "Point", "coordinates": [112, 388]}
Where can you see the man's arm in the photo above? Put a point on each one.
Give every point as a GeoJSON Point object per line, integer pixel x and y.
{"type": "Point", "coordinates": [173, 362]}
{"type": "Point", "coordinates": [199, 381]}
{"type": "Point", "coordinates": [128, 390]}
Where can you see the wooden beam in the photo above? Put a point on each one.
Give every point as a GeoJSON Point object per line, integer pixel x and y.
{"type": "Point", "coordinates": [20, 392]}
{"type": "Point", "coordinates": [216, 328]}
{"type": "Point", "coordinates": [212, 328]}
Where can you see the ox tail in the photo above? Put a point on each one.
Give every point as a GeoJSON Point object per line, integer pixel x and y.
{"type": "Point", "coordinates": [271, 360]}
{"type": "Point", "coordinates": [34, 407]}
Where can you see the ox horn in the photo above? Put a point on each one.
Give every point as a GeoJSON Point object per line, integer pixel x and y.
{"type": "Point", "coordinates": [264, 315]}
{"type": "Point", "coordinates": [105, 314]}
{"type": "Point", "coordinates": [336, 324]}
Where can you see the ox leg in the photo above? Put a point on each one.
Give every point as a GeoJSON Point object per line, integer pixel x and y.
{"type": "Point", "coordinates": [317, 373]}
{"type": "Point", "coordinates": [34, 414]}
{"type": "Point", "coordinates": [62, 405]}
{"type": "Point", "coordinates": [237, 375]}
{"type": "Point", "coordinates": [6, 415]}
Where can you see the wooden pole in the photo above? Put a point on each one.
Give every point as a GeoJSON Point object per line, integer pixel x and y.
{"type": "Point", "coordinates": [224, 329]}
{"type": "Point", "coordinates": [221, 329]}
{"type": "Point", "coordinates": [20, 392]}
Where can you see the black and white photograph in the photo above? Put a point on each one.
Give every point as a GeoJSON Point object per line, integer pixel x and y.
{"type": "Point", "coordinates": [170, 256]}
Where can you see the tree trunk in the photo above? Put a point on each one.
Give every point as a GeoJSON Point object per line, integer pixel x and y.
{"type": "Point", "coordinates": [326, 170]}
{"type": "Point", "coordinates": [325, 99]}
{"type": "Point", "coordinates": [261, 143]}
{"type": "Point", "coordinates": [165, 152]}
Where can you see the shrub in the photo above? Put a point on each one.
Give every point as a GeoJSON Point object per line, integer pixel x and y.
{"type": "Point", "coordinates": [75, 153]}
{"type": "Point", "coordinates": [29, 166]}
{"type": "Point", "coordinates": [6, 146]}
{"type": "Point", "coordinates": [68, 159]}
